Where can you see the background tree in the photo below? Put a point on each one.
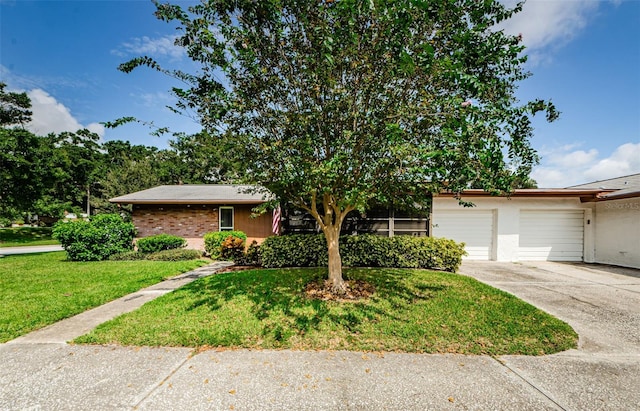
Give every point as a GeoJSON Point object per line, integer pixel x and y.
{"type": "Point", "coordinates": [22, 156]}
{"type": "Point", "coordinates": [75, 163]}
{"type": "Point", "coordinates": [15, 108]}
{"type": "Point", "coordinates": [23, 171]}
{"type": "Point", "coordinates": [332, 104]}
{"type": "Point", "coordinates": [202, 158]}
{"type": "Point", "coordinates": [127, 168]}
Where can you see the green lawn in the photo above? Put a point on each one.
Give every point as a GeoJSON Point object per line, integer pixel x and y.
{"type": "Point", "coordinates": [40, 289]}
{"type": "Point", "coordinates": [23, 236]}
{"type": "Point", "coordinates": [410, 311]}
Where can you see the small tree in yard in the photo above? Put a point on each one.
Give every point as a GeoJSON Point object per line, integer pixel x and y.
{"type": "Point", "coordinates": [332, 104]}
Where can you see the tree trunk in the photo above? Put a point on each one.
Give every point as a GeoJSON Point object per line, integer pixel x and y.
{"type": "Point", "coordinates": [88, 199]}
{"type": "Point", "coordinates": [338, 285]}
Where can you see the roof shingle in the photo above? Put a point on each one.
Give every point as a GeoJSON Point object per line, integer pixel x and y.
{"type": "Point", "coordinates": [197, 194]}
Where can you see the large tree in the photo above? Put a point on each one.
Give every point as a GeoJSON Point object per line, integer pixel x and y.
{"type": "Point", "coordinates": [22, 159]}
{"type": "Point", "coordinates": [332, 104]}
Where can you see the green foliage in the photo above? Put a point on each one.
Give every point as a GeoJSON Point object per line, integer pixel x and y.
{"type": "Point", "coordinates": [295, 250]}
{"type": "Point", "coordinates": [24, 170]}
{"type": "Point", "coordinates": [160, 242]}
{"type": "Point", "coordinates": [174, 255]}
{"type": "Point", "coordinates": [178, 254]}
{"type": "Point", "coordinates": [213, 241]}
{"type": "Point", "coordinates": [97, 239]}
{"type": "Point", "coordinates": [251, 256]}
{"type": "Point", "coordinates": [128, 256]}
{"type": "Point", "coordinates": [363, 251]}
{"type": "Point", "coordinates": [15, 108]}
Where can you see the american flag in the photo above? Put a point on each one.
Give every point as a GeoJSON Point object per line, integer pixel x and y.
{"type": "Point", "coordinates": [276, 221]}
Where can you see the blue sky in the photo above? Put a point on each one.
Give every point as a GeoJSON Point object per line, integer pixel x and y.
{"type": "Point", "coordinates": [584, 56]}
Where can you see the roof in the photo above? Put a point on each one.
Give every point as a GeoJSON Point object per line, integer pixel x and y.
{"type": "Point", "coordinates": [623, 187]}
{"type": "Point", "coordinates": [602, 190]}
{"type": "Point", "coordinates": [583, 194]}
{"type": "Point", "coordinates": [196, 194]}
{"type": "Point", "coordinates": [618, 183]}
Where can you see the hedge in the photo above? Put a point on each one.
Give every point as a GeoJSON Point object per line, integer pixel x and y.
{"type": "Point", "coordinates": [299, 250]}
{"type": "Point", "coordinates": [97, 239]}
{"type": "Point", "coordinates": [160, 242]}
{"type": "Point", "coordinates": [213, 241]}
{"type": "Point", "coordinates": [179, 254]}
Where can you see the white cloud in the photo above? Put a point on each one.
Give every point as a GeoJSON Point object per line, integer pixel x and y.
{"type": "Point", "coordinates": [158, 47]}
{"type": "Point", "coordinates": [544, 23]}
{"type": "Point", "coordinates": [547, 25]}
{"type": "Point", "coordinates": [624, 160]}
{"type": "Point", "coordinates": [565, 166]}
{"type": "Point", "coordinates": [51, 116]}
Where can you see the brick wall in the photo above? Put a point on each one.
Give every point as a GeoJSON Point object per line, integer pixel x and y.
{"type": "Point", "coordinates": [194, 221]}
{"type": "Point", "coordinates": [182, 220]}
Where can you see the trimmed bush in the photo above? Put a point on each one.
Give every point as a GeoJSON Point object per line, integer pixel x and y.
{"type": "Point", "coordinates": [294, 250]}
{"type": "Point", "coordinates": [176, 254]}
{"type": "Point", "coordinates": [160, 242]}
{"type": "Point", "coordinates": [97, 239]}
{"type": "Point", "coordinates": [127, 256]}
{"type": "Point", "coordinates": [364, 251]}
{"type": "Point", "coordinates": [252, 256]}
{"type": "Point", "coordinates": [213, 241]}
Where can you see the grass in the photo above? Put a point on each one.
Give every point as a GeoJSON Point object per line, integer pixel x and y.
{"type": "Point", "coordinates": [23, 236]}
{"type": "Point", "coordinates": [39, 289]}
{"type": "Point", "coordinates": [411, 311]}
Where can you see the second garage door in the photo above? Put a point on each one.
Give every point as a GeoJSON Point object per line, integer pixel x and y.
{"type": "Point", "coordinates": [551, 235]}
{"type": "Point", "coordinates": [473, 227]}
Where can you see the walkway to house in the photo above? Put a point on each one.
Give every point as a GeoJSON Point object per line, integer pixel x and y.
{"type": "Point", "coordinates": [601, 303]}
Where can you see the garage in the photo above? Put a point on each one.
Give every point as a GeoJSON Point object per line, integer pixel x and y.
{"type": "Point", "coordinates": [553, 235]}
{"type": "Point", "coordinates": [473, 227]}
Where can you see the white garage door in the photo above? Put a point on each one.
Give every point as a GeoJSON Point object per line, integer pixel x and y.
{"type": "Point", "coordinates": [473, 227]}
{"type": "Point", "coordinates": [551, 235]}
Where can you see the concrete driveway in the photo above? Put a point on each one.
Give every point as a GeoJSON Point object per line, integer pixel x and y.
{"type": "Point", "coordinates": [601, 303]}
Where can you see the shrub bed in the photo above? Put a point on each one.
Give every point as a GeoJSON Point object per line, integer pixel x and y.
{"type": "Point", "coordinates": [213, 242]}
{"type": "Point", "coordinates": [97, 239]}
{"type": "Point", "coordinates": [160, 242]}
{"type": "Point", "coordinates": [164, 255]}
{"type": "Point", "coordinates": [363, 251]}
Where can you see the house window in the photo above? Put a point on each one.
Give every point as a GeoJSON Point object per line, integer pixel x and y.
{"type": "Point", "coordinates": [226, 218]}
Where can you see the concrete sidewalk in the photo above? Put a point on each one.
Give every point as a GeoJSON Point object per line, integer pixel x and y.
{"type": "Point", "coordinates": [29, 249]}
{"type": "Point", "coordinates": [603, 374]}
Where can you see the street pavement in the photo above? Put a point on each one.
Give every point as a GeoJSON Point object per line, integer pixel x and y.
{"type": "Point", "coordinates": [602, 303]}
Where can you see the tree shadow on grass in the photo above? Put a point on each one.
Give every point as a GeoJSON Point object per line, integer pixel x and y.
{"type": "Point", "coordinates": [277, 298]}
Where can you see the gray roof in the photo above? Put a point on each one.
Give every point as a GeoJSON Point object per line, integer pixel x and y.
{"type": "Point", "coordinates": [619, 183]}
{"type": "Point", "coordinates": [197, 194]}
{"type": "Point", "coordinates": [625, 187]}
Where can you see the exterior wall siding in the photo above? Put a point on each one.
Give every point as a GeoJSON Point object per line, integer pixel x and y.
{"type": "Point", "coordinates": [181, 220]}
{"type": "Point", "coordinates": [193, 221]}
{"type": "Point", "coordinates": [618, 232]}
{"type": "Point", "coordinates": [257, 228]}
